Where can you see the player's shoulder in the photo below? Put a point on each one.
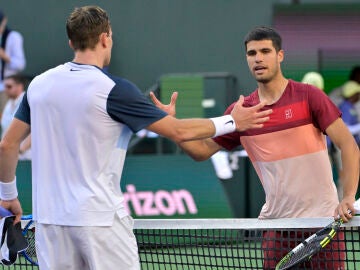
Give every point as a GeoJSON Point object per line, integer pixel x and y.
{"type": "Point", "coordinates": [307, 93]}
{"type": "Point", "coordinates": [45, 74]}
{"type": "Point", "coordinates": [122, 82]}
{"type": "Point", "coordinates": [296, 91]}
{"type": "Point", "coordinates": [15, 35]}
{"type": "Point", "coordinates": [304, 87]}
{"type": "Point", "coordinates": [123, 86]}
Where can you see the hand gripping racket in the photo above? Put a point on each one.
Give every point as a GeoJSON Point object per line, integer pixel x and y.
{"type": "Point", "coordinates": [29, 232]}
{"type": "Point", "coordinates": [313, 244]}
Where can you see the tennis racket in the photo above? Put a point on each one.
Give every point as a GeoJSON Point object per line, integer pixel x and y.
{"type": "Point", "coordinates": [29, 232]}
{"type": "Point", "coordinates": [310, 246]}
{"type": "Point", "coordinates": [4, 212]}
{"type": "Point", "coordinates": [313, 244]}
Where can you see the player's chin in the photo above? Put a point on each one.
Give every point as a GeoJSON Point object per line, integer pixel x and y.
{"type": "Point", "coordinates": [261, 79]}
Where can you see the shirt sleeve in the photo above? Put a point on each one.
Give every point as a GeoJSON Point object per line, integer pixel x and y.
{"type": "Point", "coordinates": [128, 105]}
{"type": "Point", "coordinates": [323, 111]}
{"type": "Point", "coordinates": [23, 112]}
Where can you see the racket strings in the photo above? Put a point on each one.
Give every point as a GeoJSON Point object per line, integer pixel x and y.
{"type": "Point", "coordinates": [30, 236]}
{"type": "Point", "coordinates": [307, 250]}
{"type": "Point", "coordinates": [30, 252]}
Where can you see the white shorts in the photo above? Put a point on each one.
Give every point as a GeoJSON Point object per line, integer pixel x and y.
{"type": "Point", "coordinates": [93, 248]}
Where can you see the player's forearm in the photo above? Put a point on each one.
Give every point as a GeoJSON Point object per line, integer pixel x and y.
{"type": "Point", "coordinates": [8, 161]}
{"type": "Point", "coordinates": [25, 145]}
{"type": "Point", "coordinates": [182, 130]}
{"type": "Point", "coordinates": [200, 150]}
{"type": "Point", "coordinates": [350, 169]}
{"type": "Point", "coordinates": [194, 129]}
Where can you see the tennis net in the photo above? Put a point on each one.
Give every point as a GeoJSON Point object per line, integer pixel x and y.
{"type": "Point", "coordinates": [236, 244]}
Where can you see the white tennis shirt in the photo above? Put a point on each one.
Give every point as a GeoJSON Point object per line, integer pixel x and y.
{"type": "Point", "coordinates": [82, 119]}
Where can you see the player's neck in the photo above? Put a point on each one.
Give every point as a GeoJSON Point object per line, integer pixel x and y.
{"type": "Point", "coordinates": [89, 57]}
{"type": "Point", "coordinates": [272, 91]}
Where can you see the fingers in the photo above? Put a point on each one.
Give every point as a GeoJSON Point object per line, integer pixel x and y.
{"type": "Point", "coordinates": [154, 98]}
{"type": "Point", "coordinates": [259, 106]}
{"type": "Point", "coordinates": [14, 207]}
{"type": "Point", "coordinates": [263, 116]}
{"type": "Point", "coordinates": [257, 125]}
{"type": "Point", "coordinates": [264, 113]}
{"type": "Point", "coordinates": [241, 100]}
{"type": "Point", "coordinates": [249, 117]}
{"type": "Point", "coordinates": [262, 120]}
{"type": "Point", "coordinates": [345, 211]}
{"type": "Point", "coordinates": [346, 217]}
{"type": "Point", "coordinates": [17, 219]}
{"type": "Point", "coordinates": [173, 98]}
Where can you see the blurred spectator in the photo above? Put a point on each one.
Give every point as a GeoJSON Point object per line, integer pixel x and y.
{"type": "Point", "coordinates": [15, 90]}
{"type": "Point", "coordinates": [12, 55]}
{"type": "Point", "coordinates": [351, 95]}
{"type": "Point", "coordinates": [314, 78]}
{"type": "Point", "coordinates": [336, 94]}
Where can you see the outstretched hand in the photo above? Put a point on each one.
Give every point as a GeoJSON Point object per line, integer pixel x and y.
{"type": "Point", "coordinates": [169, 108]}
{"type": "Point", "coordinates": [249, 117]}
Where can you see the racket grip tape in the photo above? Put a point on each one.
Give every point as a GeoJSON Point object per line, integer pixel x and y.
{"type": "Point", "coordinates": [4, 212]}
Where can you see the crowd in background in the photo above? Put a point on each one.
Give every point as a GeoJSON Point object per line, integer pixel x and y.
{"type": "Point", "coordinates": [12, 82]}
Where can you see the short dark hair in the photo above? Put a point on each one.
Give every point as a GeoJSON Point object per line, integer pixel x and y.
{"type": "Point", "coordinates": [18, 78]}
{"type": "Point", "coordinates": [264, 33]}
{"type": "Point", "coordinates": [84, 26]}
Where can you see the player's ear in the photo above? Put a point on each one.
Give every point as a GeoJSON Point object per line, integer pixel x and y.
{"type": "Point", "coordinates": [103, 39]}
{"type": "Point", "coordinates": [281, 55]}
{"type": "Point", "coordinates": [70, 44]}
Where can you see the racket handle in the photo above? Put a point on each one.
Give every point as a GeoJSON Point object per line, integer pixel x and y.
{"type": "Point", "coordinates": [4, 212]}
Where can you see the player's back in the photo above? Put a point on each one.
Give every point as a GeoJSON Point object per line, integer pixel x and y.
{"type": "Point", "coordinates": [74, 141]}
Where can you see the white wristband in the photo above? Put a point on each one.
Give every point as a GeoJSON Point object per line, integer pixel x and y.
{"type": "Point", "coordinates": [223, 125]}
{"type": "Point", "coordinates": [8, 191]}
